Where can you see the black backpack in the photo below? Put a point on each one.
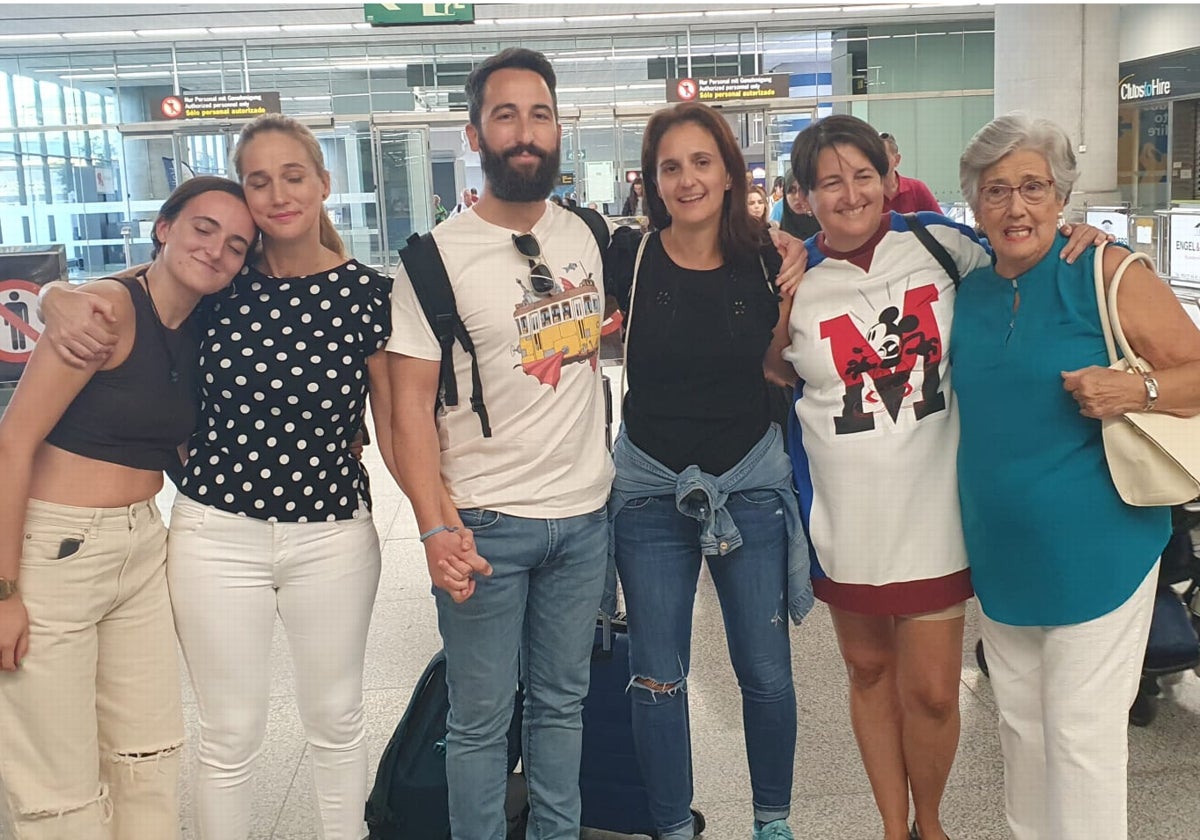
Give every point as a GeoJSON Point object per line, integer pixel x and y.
{"type": "Point", "coordinates": [410, 800]}
{"type": "Point", "coordinates": [427, 273]}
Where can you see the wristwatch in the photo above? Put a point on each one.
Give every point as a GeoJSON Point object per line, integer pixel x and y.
{"type": "Point", "coordinates": [1151, 392]}
{"type": "Point", "coordinates": [8, 588]}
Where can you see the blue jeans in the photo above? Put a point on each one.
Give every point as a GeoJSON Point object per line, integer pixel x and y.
{"type": "Point", "coordinates": [540, 602]}
{"type": "Point", "coordinates": [658, 558]}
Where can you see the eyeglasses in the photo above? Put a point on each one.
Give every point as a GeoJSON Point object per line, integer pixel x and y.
{"type": "Point", "coordinates": [540, 276]}
{"type": "Point", "coordinates": [999, 195]}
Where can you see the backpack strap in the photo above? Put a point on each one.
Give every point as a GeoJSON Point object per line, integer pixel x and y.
{"type": "Point", "coordinates": [596, 224]}
{"type": "Point", "coordinates": [934, 247]}
{"type": "Point", "coordinates": [427, 273]}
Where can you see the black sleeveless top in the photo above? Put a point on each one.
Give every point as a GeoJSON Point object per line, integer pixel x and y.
{"type": "Point", "coordinates": [138, 413]}
{"type": "Point", "coordinates": [697, 394]}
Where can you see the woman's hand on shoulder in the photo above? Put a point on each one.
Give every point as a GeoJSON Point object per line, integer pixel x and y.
{"type": "Point", "coordinates": [795, 259]}
{"type": "Point", "coordinates": [80, 323]}
{"type": "Point", "coordinates": [1079, 238]}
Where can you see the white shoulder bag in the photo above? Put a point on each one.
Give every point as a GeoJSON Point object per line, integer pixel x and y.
{"type": "Point", "coordinates": [1154, 457]}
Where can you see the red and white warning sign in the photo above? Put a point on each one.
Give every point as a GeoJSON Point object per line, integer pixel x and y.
{"type": "Point", "coordinates": [20, 326]}
{"type": "Point", "coordinates": [686, 90]}
{"type": "Point", "coordinates": [172, 107]}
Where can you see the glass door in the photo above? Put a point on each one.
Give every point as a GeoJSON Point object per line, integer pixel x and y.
{"type": "Point", "coordinates": [205, 154]}
{"type": "Point", "coordinates": [782, 128]}
{"type": "Point", "coordinates": [630, 128]}
{"type": "Point", "coordinates": [148, 173]}
{"type": "Point", "coordinates": [405, 185]}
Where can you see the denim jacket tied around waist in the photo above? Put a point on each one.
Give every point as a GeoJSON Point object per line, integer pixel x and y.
{"type": "Point", "coordinates": [702, 497]}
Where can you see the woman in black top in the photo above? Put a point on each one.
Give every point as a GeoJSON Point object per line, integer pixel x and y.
{"type": "Point", "coordinates": [273, 515]}
{"type": "Point", "coordinates": [700, 468]}
{"type": "Point", "coordinates": [635, 204]}
{"type": "Point", "coordinates": [797, 217]}
{"type": "Point", "coordinates": [90, 721]}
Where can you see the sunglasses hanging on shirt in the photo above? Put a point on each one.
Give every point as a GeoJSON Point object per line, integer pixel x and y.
{"type": "Point", "coordinates": [541, 279]}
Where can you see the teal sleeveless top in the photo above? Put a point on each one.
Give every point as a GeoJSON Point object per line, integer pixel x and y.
{"type": "Point", "coordinates": [1049, 540]}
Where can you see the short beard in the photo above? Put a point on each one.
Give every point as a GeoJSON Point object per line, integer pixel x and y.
{"type": "Point", "coordinates": [510, 184]}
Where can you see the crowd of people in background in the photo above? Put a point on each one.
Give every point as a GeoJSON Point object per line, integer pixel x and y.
{"type": "Point", "coordinates": [245, 357]}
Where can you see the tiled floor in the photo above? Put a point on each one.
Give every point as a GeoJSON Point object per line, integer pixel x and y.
{"type": "Point", "coordinates": [831, 799]}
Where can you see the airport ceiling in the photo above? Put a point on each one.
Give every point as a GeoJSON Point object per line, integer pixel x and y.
{"type": "Point", "coordinates": [37, 28]}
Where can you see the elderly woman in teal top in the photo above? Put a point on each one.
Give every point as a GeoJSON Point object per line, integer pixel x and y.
{"type": "Point", "coordinates": [1064, 570]}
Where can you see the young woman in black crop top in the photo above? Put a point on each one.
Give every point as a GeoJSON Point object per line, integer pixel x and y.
{"type": "Point", "coordinates": [700, 469]}
{"type": "Point", "coordinates": [90, 718]}
{"type": "Point", "coordinates": [273, 514]}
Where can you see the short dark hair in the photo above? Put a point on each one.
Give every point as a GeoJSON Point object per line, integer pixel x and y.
{"type": "Point", "coordinates": [515, 58]}
{"type": "Point", "coordinates": [835, 130]}
{"type": "Point", "coordinates": [739, 232]}
{"type": "Point", "coordinates": [185, 192]}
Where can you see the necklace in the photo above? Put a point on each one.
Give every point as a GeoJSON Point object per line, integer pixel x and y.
{"type": "Point", "coordinates": [173, 374]}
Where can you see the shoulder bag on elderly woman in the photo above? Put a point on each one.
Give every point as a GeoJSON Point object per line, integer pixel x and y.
{"type": "Point", "coordinates": [1154, 457]}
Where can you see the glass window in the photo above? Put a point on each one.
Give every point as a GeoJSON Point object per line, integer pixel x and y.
{"type": "Point", "coordinates": [25, 99]}
{"type": "Point", "coordinates": [6, 101]}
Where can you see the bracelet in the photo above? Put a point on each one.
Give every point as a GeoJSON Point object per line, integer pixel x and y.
{"type": "Point", "coordinates": [1151, 392]}
{"type": "Point", "coordinates": [437, 530]}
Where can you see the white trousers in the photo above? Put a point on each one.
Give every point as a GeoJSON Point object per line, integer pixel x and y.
{"type": "Point", "coordinates": [1064, 695]}
{"type": "Point", "coordinates": [228, 577]}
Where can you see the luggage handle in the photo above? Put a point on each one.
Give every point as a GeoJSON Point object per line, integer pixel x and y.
{"type": "Point", "coordinates": [604, 650]}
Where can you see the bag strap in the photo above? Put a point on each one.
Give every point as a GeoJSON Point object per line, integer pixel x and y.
{"type": "Point", "coordinates": [935, 248]}
{"type": "Point", "coordinates": [427, 273]}
{"type": "Point", "coordinates": [1110, 319]}
{"type": "Point", "coordinates": [637, 264]}
{"type": "Point", "coordinates": [596, 224]}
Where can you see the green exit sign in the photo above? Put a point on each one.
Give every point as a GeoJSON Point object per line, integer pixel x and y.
{"type": "Point", "coordinates": [407, 14]}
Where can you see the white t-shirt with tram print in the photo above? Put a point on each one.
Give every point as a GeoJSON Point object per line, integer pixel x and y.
{"type": "Point", "coordinates": [538, 360]}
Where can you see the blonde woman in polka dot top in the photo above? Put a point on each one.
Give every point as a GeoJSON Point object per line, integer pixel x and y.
{"type": "Point", "coordinates": [273, 514]}
{"type": "Point", "coordinates": [274, 510]}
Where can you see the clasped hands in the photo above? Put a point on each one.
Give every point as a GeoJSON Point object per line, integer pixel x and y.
{"type": "Point", "coordinates": [454, 561]}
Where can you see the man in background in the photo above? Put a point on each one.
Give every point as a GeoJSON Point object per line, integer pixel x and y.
{"type": "Point", "coordinates": [904, 195]}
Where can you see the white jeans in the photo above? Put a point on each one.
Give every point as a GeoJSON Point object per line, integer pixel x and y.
{"type": "Point", "coordinates": [1064, 695]}
{"type": "Point", "coordinates": [228, 576]}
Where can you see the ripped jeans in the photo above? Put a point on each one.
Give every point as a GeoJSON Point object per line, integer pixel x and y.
{"type": "Point", "coordinates": [90, 725]}
{"type": "Point", "coordinates": [658, 558]}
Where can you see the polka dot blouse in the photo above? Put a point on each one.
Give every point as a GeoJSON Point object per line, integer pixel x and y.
{"type": "Point", "coordinates": [283, 387]}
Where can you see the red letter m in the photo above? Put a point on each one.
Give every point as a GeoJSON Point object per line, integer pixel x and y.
{"type": "Point", "coordinates": [887, 356]}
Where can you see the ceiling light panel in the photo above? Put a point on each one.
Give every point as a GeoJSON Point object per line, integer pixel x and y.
{"type": "Point", "coordinates": [99, 36]}
{"type": "Point", "coordinates": [317, 27]}
{"type": "Point", "coordinates": [170, 33]}
{"type": "Point", "coordinates": [243, 30]}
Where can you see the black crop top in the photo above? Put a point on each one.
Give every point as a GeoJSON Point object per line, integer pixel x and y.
{"type": "Point", "coordinates": [134, 414]}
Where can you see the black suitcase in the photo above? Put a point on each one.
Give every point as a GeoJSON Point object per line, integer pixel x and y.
{"type": "Point", "coordinates": [612, 792]}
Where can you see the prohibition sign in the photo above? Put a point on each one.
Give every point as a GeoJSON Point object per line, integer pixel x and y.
{"type": "Point", "coordinates": [20, 326]}
{"type": "Point", "coordinates": [171, 107]}
{"type": "Point", "coordinates": [686, 89]}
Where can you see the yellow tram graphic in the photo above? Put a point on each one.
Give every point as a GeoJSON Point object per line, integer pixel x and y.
{"type": "Point", "coordinates": [559, 329]}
